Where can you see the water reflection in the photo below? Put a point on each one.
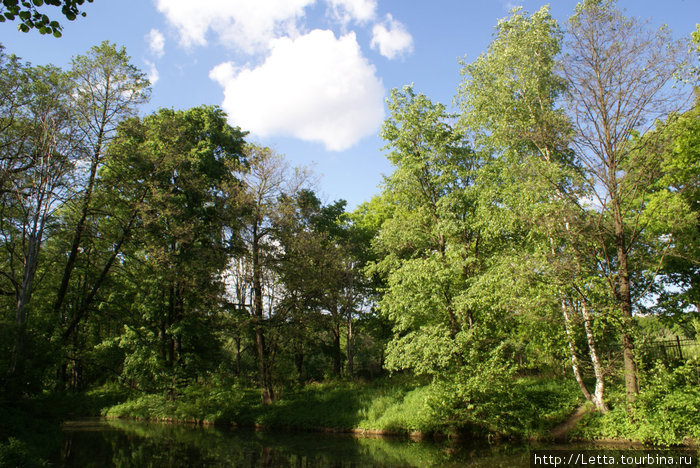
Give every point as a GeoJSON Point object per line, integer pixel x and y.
{"type": "Point", "coordinates": [100, 443]}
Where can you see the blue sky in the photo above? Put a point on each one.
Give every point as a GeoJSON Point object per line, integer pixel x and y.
{"type": "Point", "coordinates": [306, 77]}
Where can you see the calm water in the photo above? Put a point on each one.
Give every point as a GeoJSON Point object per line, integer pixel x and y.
{"type": "Point", "coordinates": [99, 443]}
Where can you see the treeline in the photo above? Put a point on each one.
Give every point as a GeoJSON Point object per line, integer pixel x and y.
{"type": "Point", "coordinates": [525, 234]}
{"type": "Point", "coordinates": [559, 202]}
{"type": "Point", "coordinates": [162, 250]}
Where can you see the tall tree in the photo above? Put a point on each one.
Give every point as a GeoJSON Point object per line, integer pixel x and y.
{"type": "Point", "coordinates": [14, 96]}
{"type": "Point", "coordinates": [427, 249]}
{"type": "Point", "coordinates": [108, 90]}
{"type": "Point", "coordinates": [268, 180]}
{"type": "Point", "coordinates": [508, 101]}
{"type": "Point", "coordinates": [38, 140]}
{"type": "Point", "coordinates": [620, 75]}
{"type": "Point", "coordinates": [179, 172]}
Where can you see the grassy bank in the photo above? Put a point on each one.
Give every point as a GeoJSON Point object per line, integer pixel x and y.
{"type": "Point", "coordinates": [666, 412]}
{"type": "Point", "coordinates": [386, 406]}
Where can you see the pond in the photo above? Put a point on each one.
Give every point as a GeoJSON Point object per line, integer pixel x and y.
{"type": "Point", "coordinates": [119, 443]}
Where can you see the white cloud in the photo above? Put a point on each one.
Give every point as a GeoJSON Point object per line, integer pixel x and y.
{"type": "Point", "coordinates": [156, 42]}
{"type": "Point", "coordinates": [358, 10]}
{"type": "Point", "coordinates": [391, 38]}
{"type": "Point", "coordinates": [153, 75]}
{"type": "Point", "coordinates": [315, 87]}
{"type": "Point", "coordinates": [243, 24]}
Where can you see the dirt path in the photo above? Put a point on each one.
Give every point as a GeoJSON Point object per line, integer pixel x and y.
{"type": "Point", "coordinates": [560, 431]}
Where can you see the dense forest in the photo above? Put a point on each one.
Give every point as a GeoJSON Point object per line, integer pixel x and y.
{"type": "Point", "coordinates": [532, 252]}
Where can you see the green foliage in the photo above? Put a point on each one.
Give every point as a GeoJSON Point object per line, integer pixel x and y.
{"type": "Point", "coordinates": [672, 212]}
{"type": "Point", "coordinates": [507, 95]}
{"type": "Point", "coordinates": [199, 266]}
{"type": "Point", "coordinates": [174, 175]}
{"type": "Point", "coordinates": [400, 410]}
{"type": "Point", "coordinates": [30, 428]}
{"type": "Point", "coordinates": [507, 407]}
{"type": "Point", "coordinates": [666, 412]}
{"type": "Point", "coordinates": [15, 452]}
{"type": "Point", "coordinates": [426, 248]}
{"type": "Point", "coordinates": [31, 17]}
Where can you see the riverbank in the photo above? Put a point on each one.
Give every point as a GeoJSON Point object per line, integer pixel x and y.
{"type": "Point", "coordinates": [30, 427]}
{"type": "Point", "coordinates": [387, 407]}
{"type": "Point", "coordinates": [537, 409]}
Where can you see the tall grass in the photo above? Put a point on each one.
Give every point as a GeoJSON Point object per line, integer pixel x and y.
{"type": "Point", "coordinates": [384, 406]}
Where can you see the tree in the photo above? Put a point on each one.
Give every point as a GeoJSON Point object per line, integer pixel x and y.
{"type": "Point", "coordinates": [428, 249]}
{"type": "Point", "coordinates": [108, 90]}
{"type": "Point", "coordinates": [38, 140]}
{"type": "Point", "coordinates": [671, 154]}
{"type": "Point", "coordinates": [178, 172]}
{"type": "Point", "coordinates": [619, 76]}
{"type": "Point", "coordinates": [320, 269]}
{"type": "Point", "coordinates": [509, 102]}
{"type": "Point", "coordinates": [15, 94]}
{"type": "Point", "coordinates": [30, 16]}
{"type": "Point", "coordinates": [309, 267]}
{"type": "Point", "coordinates": [267, 181]}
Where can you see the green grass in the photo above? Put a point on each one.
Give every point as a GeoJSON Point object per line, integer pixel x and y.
{"type": "Point", "coordinates": [666, 412]}
{"type": "Point", "coordinates": [388, 406]}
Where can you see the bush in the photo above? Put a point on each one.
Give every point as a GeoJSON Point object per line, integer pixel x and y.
{"type": "Point", "coordinates": [666, 412]}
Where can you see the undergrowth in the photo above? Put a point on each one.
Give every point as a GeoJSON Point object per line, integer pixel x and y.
{"type": "Point", "coordinates": [666, 412]}
{"type": "Point", "coordinates": [536, 405]}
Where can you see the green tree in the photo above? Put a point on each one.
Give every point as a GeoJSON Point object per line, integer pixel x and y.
{"type": "Point", "coordinates": [620, 76]}
{"type": "Point", "coordinates": [267, 182]}
{"type": "Point", "coordinates": [108, 90]}
{"type": "Point", "coordinates": [16, 94]}
{"type": "Point", "coordinates": [670, 242]}
{"type": "Point", "coordinates": [508, 101]}
{"type": "Point", "coordinates": [180, 171]}
{"type": "Point", "coordinates": [309, 269]}
{"type": "Point", "coordinates": [37, 148]}
{"type": "Point", "coordinates": [31, 17]}
{"type": "Point", "coordinates": [428, 251]}
{"type": "Point", "coordinates": [321, 271]}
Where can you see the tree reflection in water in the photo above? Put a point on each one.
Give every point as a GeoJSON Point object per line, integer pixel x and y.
{"type": "Point", "coordinates": [99, 443]}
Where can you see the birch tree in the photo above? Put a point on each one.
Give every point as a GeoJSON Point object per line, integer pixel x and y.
{"type": "Point", "coordinates": [620, 77]}
{"type": "Point", "coordinates": [509, 104]}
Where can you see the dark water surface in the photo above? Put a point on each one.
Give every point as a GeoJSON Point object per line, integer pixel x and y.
{"type": "Point", "coordinates": [116, 443]}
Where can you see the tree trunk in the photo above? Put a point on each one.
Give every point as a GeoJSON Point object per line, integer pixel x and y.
{"type": "Point", "coordinates": [598, 394]}
{"type": "Point", "coordinates": [337, 365]}
{"type": "Point", "coordinates": [350, 348]}
{"type": "Point", "coordinates": [267, 393]}
{"type": "Point", "coordinates": [299, 362]}
{"type": "Point", "coordinates": [625, 300]}
{"type": "Point", "coordinates": [31, 259]}
{"type": "Point", "coordinates": [238, 356]}
{"type": "Point", "coordinates": [572, 350]}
